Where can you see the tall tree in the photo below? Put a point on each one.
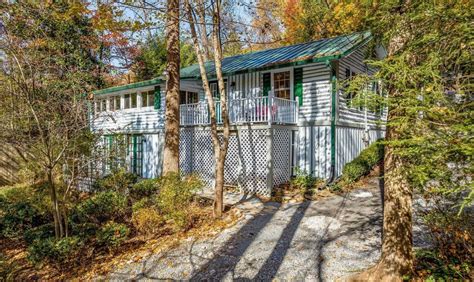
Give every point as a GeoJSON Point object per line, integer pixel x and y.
{"type": "Point", "coordinates": [426, 76]}
{"type": "Point", "coordinates": [306, 20]}
{"type": "Point", "coordinates": [220, 144]}
{"type": "Point", "coordinates": [171, 149]}
{"type": "Point", "coordinates": [426, 80]}
{"type": "Point", "coordinates": [267, 23]}
{"type": "Point", "coordinates": [48, 55]}
{"type": "Point", "coordinates": [150, 60]}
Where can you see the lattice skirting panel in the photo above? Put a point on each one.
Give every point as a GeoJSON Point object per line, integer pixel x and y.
{"type": "Point", "coordinates": [281, 156]}
{"type": "Point", "coordinates": [246, 162]}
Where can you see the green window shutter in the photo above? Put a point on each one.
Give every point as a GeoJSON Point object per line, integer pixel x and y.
{"type": "Point", "coordinates": [298, 87]}
{"type": "Point", "coordinates": [157, 98]}
{"type": "Point", "coordinates": [267, 83]}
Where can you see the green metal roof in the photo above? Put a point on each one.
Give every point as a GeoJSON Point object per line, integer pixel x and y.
{"type": "Point", "coordinates": [299, 54]}
{"type": "Point", "coordinates": [319, 50]}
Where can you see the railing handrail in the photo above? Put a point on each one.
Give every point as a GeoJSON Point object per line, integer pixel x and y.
{"type": "Point", "coordinates": [243, 110]}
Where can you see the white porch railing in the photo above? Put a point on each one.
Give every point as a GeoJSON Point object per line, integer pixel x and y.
{"type": "Point", "coordinates": [265, 109]}
{"type": "Point", "coordinates": [284, 111]}
{"type": "Point", "coordinates": [194, 114]}
{"type": "Point", "coordinates": [255, 109]}
{"type": "Point", "coordinates": [198, 113]}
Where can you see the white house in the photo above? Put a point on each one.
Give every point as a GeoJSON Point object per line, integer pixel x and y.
{"type": "Point", "coordinates": [285, 110]}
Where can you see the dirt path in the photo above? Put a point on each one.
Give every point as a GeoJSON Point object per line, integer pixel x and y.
{"type": "Point", "coordinates": [319, 240]}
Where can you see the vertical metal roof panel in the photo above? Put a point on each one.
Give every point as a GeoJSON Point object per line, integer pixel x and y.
{"type": "Point", "coordinates": [336, 46]}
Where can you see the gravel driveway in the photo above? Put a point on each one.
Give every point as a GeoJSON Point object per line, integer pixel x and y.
{"type": "Point", "coordinates": [317, 240]}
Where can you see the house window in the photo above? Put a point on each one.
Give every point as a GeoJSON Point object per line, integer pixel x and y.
{"type": "Point", "coordinates": [187, 97]}
{"type": "Point", "coordinates": [148, 98]}
{"type": "Point", "coordinates": [133, 100]}
{"type": "Point", "coordinates": [214, 87]}
{"type": "Point", "coordinates": [117, 103]}
{"type": "Point", "coordinates": [103, 105]}
{"type": "Point", "coordinates": [135, 153]}
{"type": "Point", "coordinates": [97, 107]}
{"type": "Point", "coordinates": [282, 84]}
{"type": "Point", "coordinates": [351, 95]}
{"type": "Point", "coordinates": [126, 101]}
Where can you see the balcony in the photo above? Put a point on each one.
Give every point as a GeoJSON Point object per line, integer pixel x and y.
{"type": "Point", "coordinates": [271, 110]}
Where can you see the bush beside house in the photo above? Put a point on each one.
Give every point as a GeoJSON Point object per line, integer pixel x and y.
{"type": "Point", "coordinates": [119, 207]}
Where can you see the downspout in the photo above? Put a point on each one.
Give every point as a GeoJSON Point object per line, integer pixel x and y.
{"type": "Point", "coordinates": [332, 175]}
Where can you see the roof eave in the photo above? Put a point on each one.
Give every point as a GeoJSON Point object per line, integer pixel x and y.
{"type": "Point", "coordinates": [135, 85]}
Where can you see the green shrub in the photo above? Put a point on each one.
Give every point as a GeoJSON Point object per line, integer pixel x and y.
{"type": "Point", "coordinates": [84, 230]}
{"type": "Point", "coordinates": [143, 203]}
{"type": "Point", "coordinates": [112, 234]}
{"type": "Point", "coordinates": [143, 189]}
{"type": "Point", "coordinates": [364, 163]}
{"type": "Point", "coordinates": [53, 250]}
{"type": "Point", "coordinates": [22, 208]}
{"type": "Point", "coordinates": [102, 207]}
{"type": "Point", "coordinates": [147, 221]}
{"type": "Point", "coordinates": [303, 181]}
{"type": "Point", "coordinates": [175, 196]}
{"type": "Point", "coordinates": [39, 233]}
{"type": "Point", "coordinates": [119, 181]}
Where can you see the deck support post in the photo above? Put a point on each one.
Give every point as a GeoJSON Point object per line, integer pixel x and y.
{"type": "Point", "coordinates": [269, 158]}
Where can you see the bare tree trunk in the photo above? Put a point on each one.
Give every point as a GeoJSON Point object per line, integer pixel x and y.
{"type": "Point", "coordinates": [58, 222]}
{"type": "Point", "coordinates": [220, 149]}
{"type": "Point", "coordinates": [171, 150]}
{"type": "Point", "coordinates": [201, 9]}
{"type": "Point", "coordinates": [220, 158]}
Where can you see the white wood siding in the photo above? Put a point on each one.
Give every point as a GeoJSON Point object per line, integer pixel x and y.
{"type": "Point", "coordinates": [137, 120]}
{"type": "Point", "coordinates": [246, 85]}
{"type": "Point", "coordinates": [316, 94]}
{"type": "Point", "coordinates": [354, 62]}
{"type": "Point", "coordinates": [314, 150]}
{"type": "Point", "coordinates": [350, 142]}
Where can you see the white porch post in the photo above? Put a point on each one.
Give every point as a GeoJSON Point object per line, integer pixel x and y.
{"type": "Point", "coordinates": [270, 107]}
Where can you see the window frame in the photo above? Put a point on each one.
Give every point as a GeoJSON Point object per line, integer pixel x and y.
{"type": "Point", "coordinates": [103, 105]}
{"type": "Point", "coordinates": [132, 104]}
{"type": "Point", "coordinates": [146, 94]}
{"type": "Point", "coordinates": [187, 97]}
{"type": "Point", "coordinates": [119, 99]}
{"type": "Point", "coordinates": [126, 101]}
{"type": "Point", "coordinates": [216, 83]}
{"type": "Point", "coordinates": [96, 107]}
{"type": "Point", "coordinates": [273, 72]}
{"type": "Point", "coordinates": [349, 75]}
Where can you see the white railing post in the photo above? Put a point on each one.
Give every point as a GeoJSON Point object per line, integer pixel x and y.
{"type": "Point", "coordinates": [270, 107]}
